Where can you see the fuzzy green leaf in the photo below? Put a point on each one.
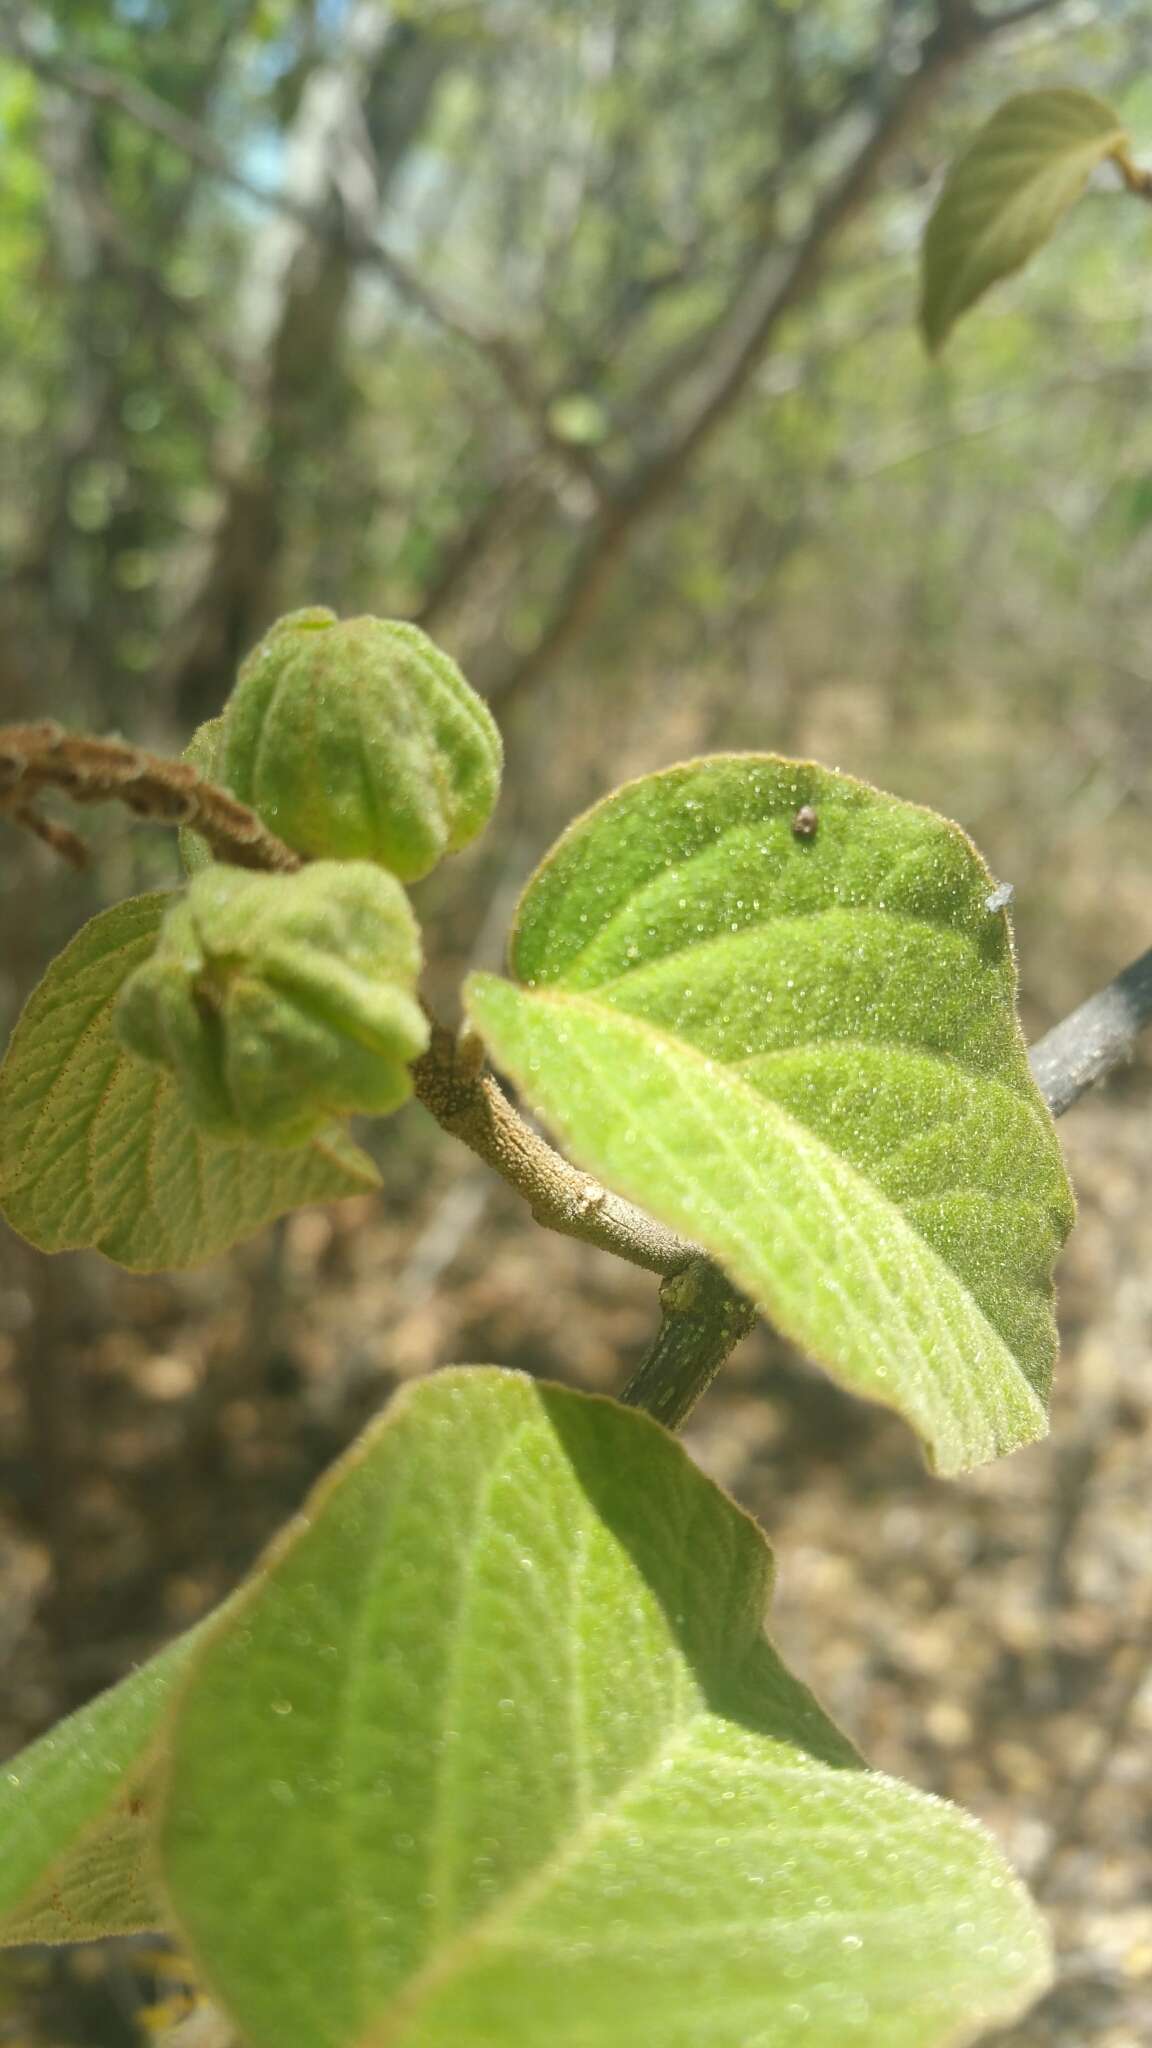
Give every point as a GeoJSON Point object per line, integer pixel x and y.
{"type": "Point", "coordinates": [802, 1052]}
{"type": "Point", "coordinates": [96, 1147]}
{"type": "Point", "coordinates": [76, 1809]}
{"type": "Point", "coordinates": [493, 1750]}
{"type": "Point", "coordinates": [1004, 198]}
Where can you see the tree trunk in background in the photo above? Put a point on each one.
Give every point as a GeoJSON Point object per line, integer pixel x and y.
{"type": "Point", "coordinates": [358, 117]}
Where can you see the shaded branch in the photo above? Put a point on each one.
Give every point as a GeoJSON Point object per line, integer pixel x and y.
{"type": "Point", "coordinates": [1016, 17]}
{"type": "Point", "coordinates": [702, 1319]}
{"type": "Point", "coordinates": [1097, 1037]}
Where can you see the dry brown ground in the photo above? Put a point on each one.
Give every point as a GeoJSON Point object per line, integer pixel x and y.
{"type": "Point", "coordinates": [989, 1640]}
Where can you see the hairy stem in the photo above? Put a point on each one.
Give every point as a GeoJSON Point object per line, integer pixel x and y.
{"type": "Point", "coordinates": [472, 1106]}
{"type": "Point", "coordinates": [90, 771]}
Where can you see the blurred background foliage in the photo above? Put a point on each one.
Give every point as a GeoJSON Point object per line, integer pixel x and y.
{"type": "Point", "coordinates": [581, 331]}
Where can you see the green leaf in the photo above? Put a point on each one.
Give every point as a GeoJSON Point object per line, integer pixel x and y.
{"type": "Point", "coordinates": [494, 1751]}
{"type": "Point", "coordinates": [76, 1810]}
{"type": "Point", "coordinates": [1005, 196]}
{"type": "Point", "coordinates": [96, 1148]}
{"type": "Point", "coordinates": [802, 1052]}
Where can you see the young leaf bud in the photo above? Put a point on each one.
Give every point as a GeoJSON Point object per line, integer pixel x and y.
{"type": "Point", "coordinates": [204, 750]}
{"type": "Point", "coordinates": [281, 1002]}
{"type": "Point", "coordinates": [358, 739]}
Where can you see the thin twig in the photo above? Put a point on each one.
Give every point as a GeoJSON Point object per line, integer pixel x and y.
{"type": "Point", "coordinates": [471, 1105]}
{"type": "Point", "coordinates": [1097, 1037]}
{"type": "Point", "coordinates": [93, 771]}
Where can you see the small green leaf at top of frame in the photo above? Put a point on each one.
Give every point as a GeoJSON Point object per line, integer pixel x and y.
{"type": "Point", "coordinates": [1006, 195]}
{"type": "Point", "coordinates": [492, 1750]}
{"type": "Point", "coordinates": [96, 1147]}
{"type": "Point", "coordinates": [774, 1007]}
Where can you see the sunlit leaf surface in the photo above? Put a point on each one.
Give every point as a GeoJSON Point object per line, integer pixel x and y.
{"type": "Point", "coordinates": [493, 1752]}
{"type": "Point", "coordinates": [772, 1005]}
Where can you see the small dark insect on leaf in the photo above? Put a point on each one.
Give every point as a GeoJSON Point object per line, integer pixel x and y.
{"type": "Point", "coordinates": [804, 822]}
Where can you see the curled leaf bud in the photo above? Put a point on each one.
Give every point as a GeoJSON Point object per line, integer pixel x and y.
{"type": "Point", "coordinates": [358, 739]}
{"type": "Point", "coordinates": [281, 1002]}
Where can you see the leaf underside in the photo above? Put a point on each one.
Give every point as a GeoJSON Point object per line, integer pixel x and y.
{"type": "Point", "coordinates": [803, 1053]}
{"type": "Point", "coordinates": [508, 1759]}
{"type": "Point", "coordinates": [96, 1147]}
{"type": "Point", "coordinates": [1004, 198]}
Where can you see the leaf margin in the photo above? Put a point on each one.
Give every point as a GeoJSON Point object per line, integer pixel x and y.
{"type": "Point", "coordinates": [391, 2030]}
{"type": "Point", "coordinates": [538, 961]}
{"type": "Point", "coordinates": [945, 296]}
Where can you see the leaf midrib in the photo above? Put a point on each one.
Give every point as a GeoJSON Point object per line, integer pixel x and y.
{"type": "Point", "coordinates": [487, 1926]}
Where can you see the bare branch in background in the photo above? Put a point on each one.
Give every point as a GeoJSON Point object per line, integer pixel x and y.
{"type": "Point", "coordinates": [147, 110]}
{"type": "Point", "coordinates": [1016, 17]}
{"type": "Point", "coordinates": [355, 241]}
{"type": "Point", "coordinates": [739, 340]}
{"type": "Point", "coordinates": [712, 371]}
{"type": "Point", "coordinates": [356, 117]}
